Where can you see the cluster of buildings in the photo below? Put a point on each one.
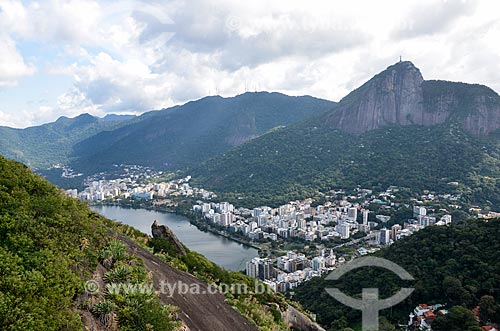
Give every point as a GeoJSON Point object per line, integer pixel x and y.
{"type": "Point", "coordinates": [66, 172]}
{"type": "Point", "coordinates": [296, 219]}
{"type": "Point", "coordinates": [420, 220]}
{"type": "Point", "coordinates": [289, 271]}
{"type": "Point", "coordinates": [300, 220]}
{"type": "Point", "coordinates": [423, 315]}
{"type": "Point", "coordinates": [130, 187]}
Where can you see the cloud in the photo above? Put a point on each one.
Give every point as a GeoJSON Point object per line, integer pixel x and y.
{"type": "Point", "coordinates": [51, 21]}
{"type": "Point", "coordinates": [205, 53]}
{"type": "Point", "coordinates": [431, 17]}
{"type": "Point", "coordinates": [134, 56]}
{"type": "Point", "coordinates": [242, 35]}
{"type": "Point", "coordinates": [12, 65]}
{"type": "Point", "coordinates": [111, 85]}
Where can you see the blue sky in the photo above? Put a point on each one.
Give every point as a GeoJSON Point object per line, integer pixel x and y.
{"type": "Point", "coordinates": [66, 57]}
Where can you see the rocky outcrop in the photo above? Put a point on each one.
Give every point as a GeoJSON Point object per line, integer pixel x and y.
{"type": "Point", "coordinates": [298, 321]}
{"type": "Point", "coordinates": [400, 96]}
{"type": "Point", "coordinates": [394, 96]}
{"type": "Point", "coordinates": [163, 231]}
{"type": "Point", "coordinates": [475, 107]}
{"type": "Point", "coordinates": [199, 311]}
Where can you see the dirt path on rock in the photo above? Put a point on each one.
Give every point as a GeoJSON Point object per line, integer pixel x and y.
{"type": "Point", "coordinates": [200, 312]}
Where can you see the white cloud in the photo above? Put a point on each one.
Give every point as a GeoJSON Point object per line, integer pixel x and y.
{"type": "Point", "coordinates": [135, 56]}
{"type": "Point", "coordinates": [12, 65]}
{"type": "Point", "coordinates": [51, 21]}
{"type": "Point", "coordinates": [430, 17]}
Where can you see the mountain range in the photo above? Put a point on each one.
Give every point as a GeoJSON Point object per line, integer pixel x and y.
{"type": "Point", "coordinates": [174, 138]}
{"type": "Point", "coordinates": [45, 145]}
{"type": "Point", "coordinates": [396, 129]}
{"type": "Point", "coordinates": [185, 135]}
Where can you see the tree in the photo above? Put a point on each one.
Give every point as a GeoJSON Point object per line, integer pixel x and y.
{"type": "Point", "coordinates": [488, 309]}
{"type": "Point", "coordinates": [339, 325]}
{"type": "Point", "coordinates": [458, 319]}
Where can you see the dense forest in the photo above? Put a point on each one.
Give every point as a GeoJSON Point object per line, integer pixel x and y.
{"type": "Point", "coordinates": [300, 160]}
{"type": "Point", "coordinates": [52, 143]}
{"type": "Point", "coordinates": [456, 265]}
{"type": "Point", "coordinates": [41, 257]}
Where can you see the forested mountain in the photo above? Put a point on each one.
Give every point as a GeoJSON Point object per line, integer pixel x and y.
{"type": "Point", "coordinates": [45, 145]}
{"type": "Point", "coordinates": [174, 138]}
{"type": "Point", "coordinates": [186, 135]}
{"type": "Point", "coordinates": [456, 265]}
{"type": "Point", "coordinates": [397, 129]}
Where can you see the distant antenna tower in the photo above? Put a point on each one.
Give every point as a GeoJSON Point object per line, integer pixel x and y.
{"type": "Point", "coordinates": [400, 59]}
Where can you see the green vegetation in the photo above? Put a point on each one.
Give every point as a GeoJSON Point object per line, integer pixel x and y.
{"type": "Point", "coordinates": [263, 308]}
{"type": "Point", "coordinates": [48, 243]}
{"type": "Point", "coordinates": [458, 319]}
{"type": "Point", "coordinates": [457, 265]}
{"type": "Point", "coordinates": [185, 135]}
{"type": "Point", "coordinates": [129, 294]}
{"type": "Point", "coordinates": [303, 159]}
{"type": "Point", "coordinates": [43, 146]}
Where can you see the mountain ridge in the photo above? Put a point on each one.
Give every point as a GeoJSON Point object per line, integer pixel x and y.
{"type": "Point", "coordinates": [173, 137]}
{"type": "Point", "coordinates": [185, 135]}
{"type": "Point", "coordinates": [399, 95]}
{"type": "Point", "coordinates": [396, 129]}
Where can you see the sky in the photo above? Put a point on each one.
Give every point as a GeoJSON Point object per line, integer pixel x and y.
{"type": "Point", "coordinates": [64, 58]}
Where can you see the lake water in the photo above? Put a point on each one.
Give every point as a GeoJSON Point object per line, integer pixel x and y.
{"type": "Point", "coordinates": [226, 253]}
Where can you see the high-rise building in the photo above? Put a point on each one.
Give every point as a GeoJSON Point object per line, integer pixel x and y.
{"type": "Point", "coordinates": [365, 216]}
{"type": "Point", "coordinates": [344, 230]}
{"type": "Point", "coordinates": [264, 269]}
{"type": "Point", "coordinates": [205, 208]}
{"type": "Point", "coordinates": [251, 268]}
{"type": "Point", "coordinates": [384, 237]}
{"type": "Point", "coordinates": [318, 263]}
{"type": "Point", "coordinates": [394, 230]}
{"type": "Point", "coordinates": [259, 268]}
{"type": "Point", "coordinates": [352, 213]}
{"type": "Point", "coordinates": [301, 224]}
{"type": "Point", "coordinates": [256, 212]}
{"type": "Point", "coordinates": [226, 219]}
{"type": "Point", "coordinates": [419, 211]}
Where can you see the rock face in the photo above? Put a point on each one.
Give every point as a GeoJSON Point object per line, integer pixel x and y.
{"type": "Point", "coordinates": [400, 96]}
{"type": "Point", "coordinates": [163, 231]}
{"type": "Point", "coordinates": [299, 321]}
{"type": "Point", "coordinates": [475, 107]}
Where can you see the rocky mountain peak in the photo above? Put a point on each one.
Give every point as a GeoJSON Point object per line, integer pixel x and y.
{"type": "Point", "coordinates": [394, 96]}
{"type": "Point", "coordinates": [399, 95]}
